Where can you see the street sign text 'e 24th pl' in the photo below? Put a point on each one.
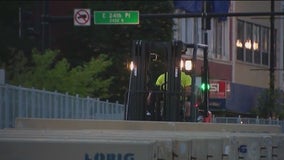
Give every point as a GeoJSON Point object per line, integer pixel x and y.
{"type": "Point", "coordinates": [116, 17]}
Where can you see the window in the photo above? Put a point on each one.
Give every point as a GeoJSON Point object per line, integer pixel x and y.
{"type": "Point", "coordinates": [189, 30]}
{"type": "Point", "coordinates": [264, 45]}
{"type": "Point", "coordinates": [240, 41]}
{"type": "Point", "coordinates": [255, 44]}
{"type": "Point", "coordinates": [217, 38]}
{"type": "Point", "coordinates": [252, 43]}
{"type": "Point", "coordinates": [185, 29]}
{"type": "Point", "coordinates": [248, 43]}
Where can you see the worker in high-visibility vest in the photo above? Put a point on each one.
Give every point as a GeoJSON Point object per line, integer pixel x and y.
{"type": "Point", "coordinates": [186, 88]}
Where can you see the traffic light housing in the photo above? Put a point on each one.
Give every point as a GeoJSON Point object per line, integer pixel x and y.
{"type": "Point", "coordinates": [205, 86]}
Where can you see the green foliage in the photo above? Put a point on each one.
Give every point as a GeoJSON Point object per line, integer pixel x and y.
{"type": "Point", "coordinates": [15, 65]}
{"type": "Point", "coordinates": [264, 107]}
{"type": "Point", "coordinates": [47, 73]}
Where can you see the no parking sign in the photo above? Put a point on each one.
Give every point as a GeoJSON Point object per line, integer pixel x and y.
{"type": "Point", "coordinates": [82, 17]}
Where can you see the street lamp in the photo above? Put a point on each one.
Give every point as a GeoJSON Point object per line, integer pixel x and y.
{"type": "Point", "coordinates": [133, 68]}
{"type": "Point", "coordinates": [186, 63]}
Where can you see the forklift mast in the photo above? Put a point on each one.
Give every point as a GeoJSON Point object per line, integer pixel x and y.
{"type": "Point", "coordinates": [150, 59]}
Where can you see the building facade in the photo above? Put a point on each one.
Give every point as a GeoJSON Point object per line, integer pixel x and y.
{"type": "Point", "coordinates": [239, 54]}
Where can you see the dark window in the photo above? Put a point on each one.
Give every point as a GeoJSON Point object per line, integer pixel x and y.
{"type": "Point", "coordinates": [255, 44]}
{"type": "Point", "coordinates": [240, 40]}
{"type": "Point", "coordinates": [217, 43]}
{"type": "Point", "coordinates": [248, 42]}
{"type": "Point", "coordinates": [252, 43]}
{"type": "Point", "coordinates": [264, 45]}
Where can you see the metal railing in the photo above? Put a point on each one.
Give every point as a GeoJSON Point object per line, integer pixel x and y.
{"type": "Point", "coordinates": [17, 101]}
{"type": "Point", "coordinates": [243, 120]}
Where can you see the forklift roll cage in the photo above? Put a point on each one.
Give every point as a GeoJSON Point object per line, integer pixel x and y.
{"type": "Point", "coordinates": [162, 57]}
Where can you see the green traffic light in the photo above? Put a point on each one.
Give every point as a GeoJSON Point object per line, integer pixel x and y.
{"type": "Point", "coordinates": [204, 87]}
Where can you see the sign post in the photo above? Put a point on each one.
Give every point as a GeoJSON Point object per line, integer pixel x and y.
{"type": "Point", "coordinates": [116, 17]}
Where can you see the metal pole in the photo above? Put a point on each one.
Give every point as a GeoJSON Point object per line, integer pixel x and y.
{"type": "Point", "coordinates": [128, 95]}
{"type": "Point", "coordinates": [193, 82]}
{"type": "Point", "coordinates": [20, 22]}
{"type": "Point", "coordinates": [45, 27]}
{"type": "Point", "coordinates": [205, 57]}
{"type": "Point", "coordinates": [272, 59]}
{"type": "Point", "coordinates": [193, 111]}
{"type": "Point", "coordinates": [181, 15]}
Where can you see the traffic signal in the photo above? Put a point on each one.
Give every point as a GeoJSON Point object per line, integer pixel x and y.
{"type": "Point", "coordinates": [204, 87]}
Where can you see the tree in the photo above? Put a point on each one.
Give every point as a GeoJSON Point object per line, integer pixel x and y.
{"type": "Point", "coordinates": [48, 73]}
{"type": "Point", "coordinates": [264, 108]}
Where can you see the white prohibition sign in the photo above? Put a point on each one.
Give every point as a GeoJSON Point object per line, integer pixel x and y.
{"type": "Point", "coordinates": [82, 17]}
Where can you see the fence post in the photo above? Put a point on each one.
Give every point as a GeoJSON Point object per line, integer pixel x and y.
{"type": "Point", "coordinates": [38, 106]}
{"type": "Point", "coordinates": [92, 108]}
{"type": "Point", "coordinates": [55, 106]}
{"type": "Point", "coordinates": [66, 106]}
{"type": "Point", "coordinates": [83, 108]}
{"type": "Point", "coordinates": [43, 104]}
{"type": "Point", "coordinates": [115, 115]}
{"type": "Point", "coordinates": [32, 98]}
{"type": "Point", "coordinates": [49, 106]}
{"type": "Point", "coordinates": [88, 108]}
{"type": "Point", "coordinates": [6, 108]}
{"type": "Point", "coordinates": [213, 118]}
{"type": "Point", "coordinates": [96, 108]}
{"type": "Point", "coordinates": [20, 99]}
{"type": "Point", "coordinates": [106, 110]}
{"type": "Point", "coordinates": [77, 115]}
{"type": "Point", "coordinates": [239, 119]}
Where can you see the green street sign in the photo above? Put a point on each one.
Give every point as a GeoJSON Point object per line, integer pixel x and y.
{"type": "Point", "coordinates": [116, 17]}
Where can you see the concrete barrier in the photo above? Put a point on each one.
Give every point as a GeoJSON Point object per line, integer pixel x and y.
{"type": "Point", "coordinates": [277, 150]}
{"type": "Point", "coordinates": [45, 139]}
{"type": "Point", "coordinates": [69, 124]}
{"type": "Point", "coordinates": [51, 149]}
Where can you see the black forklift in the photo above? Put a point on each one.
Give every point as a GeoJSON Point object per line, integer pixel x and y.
{"type": "Point", "coordinates": [149, 60]}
